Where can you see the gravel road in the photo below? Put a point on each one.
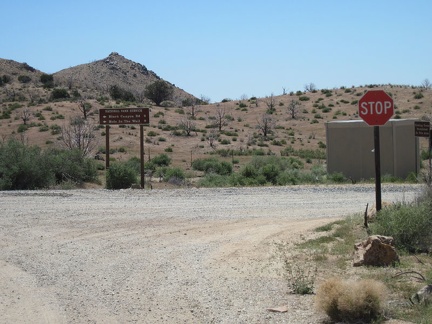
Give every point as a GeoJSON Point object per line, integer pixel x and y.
{"type": "Point", "coordinates": [162, 256]}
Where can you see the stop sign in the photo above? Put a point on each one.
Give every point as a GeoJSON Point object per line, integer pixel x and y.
{"type": "Point", "coordinates": [376, 107]}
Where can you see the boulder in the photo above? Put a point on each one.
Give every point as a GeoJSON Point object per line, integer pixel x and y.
{"type": "Point", "coordinates": [423, 296]}
{"type": "Point", "coordinates": [376, 251]}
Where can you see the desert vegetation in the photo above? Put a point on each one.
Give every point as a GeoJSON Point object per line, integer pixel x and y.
{"type": "Point", "coordinates": [286, 132]}
{"type": "Point", "coordinates": [323, 265]}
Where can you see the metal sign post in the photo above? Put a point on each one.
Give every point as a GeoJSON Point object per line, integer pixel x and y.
{"type": "Point", "coordinates": [377, 152]}
{"type": "Point", "coordinates": [422, 129]}
{"type": "Point", "coordinates": [376, 108]}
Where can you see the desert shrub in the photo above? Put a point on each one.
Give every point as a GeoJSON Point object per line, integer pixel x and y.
{"type": "Point", "coordinates": [24, 79]}
{"type": "Point", "coordinates": [5, 79]}
{"type": "Point", "coordinates": [120, 176]}
{"type": "Point", "coordinates": [59, 93]}
{"type": "Point", "coordinates": [418, 95]}
{"type": "Point", "coordinates": [23, 167]}
{"type": "Point", "coordinates": [300, 277]}
{"type": "Point", "coordinates": [174, 175]}
{"type": "Point", "coordinates": [22, 128]}
{"type": "Point", "coordinates": [159, 91]}
{"type": "Point", "coordinates": [304, 153]}
{"type": "Point", "coordinates": [117, 93]}
{"type": "Point", "coordinates": [28, 167]}
{"type": "Point", "coordinates": [351, 301]}
{"type": "Point", "coordinates": [71, 166]}
{"type": "Point", "coordinates": [213, 180]}
{"type": "Point", "coordinates": [167, 104]}
{"type": "Point", "coordinates": [409, 224]}
{"type": "Point", "coordinates": [212, 165]}
{"type": "Point", "coordinates": [47, 80]}
{"type": "Point", "coordinates": [135, 164]}
{"type": "Point", "coordinates": [161, 160]}
{"type": "Point", "coordinates": [337, 177]}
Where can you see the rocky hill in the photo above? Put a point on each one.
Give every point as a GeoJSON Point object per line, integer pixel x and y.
{"type": "Point", "coordinates": [113, 70]}
{"type": "Point", "coordinates": [90, 80]}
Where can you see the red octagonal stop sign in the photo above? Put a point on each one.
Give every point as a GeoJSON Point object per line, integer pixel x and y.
{"type": "Point", "coordinates": [376, 107]}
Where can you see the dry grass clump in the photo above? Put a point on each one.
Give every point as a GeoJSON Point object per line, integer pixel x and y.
{"type": "Point", "coordinates": [352, 301]}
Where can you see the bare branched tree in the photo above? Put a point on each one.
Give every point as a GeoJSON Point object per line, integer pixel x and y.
{"type": "Point", "coordinates": [26, 115]}
{"type": "Point", "coordinates": [84, 107]}
{"type": "Point", "coordinates": [426, 84]}
{"type": "Point", "coordinates": [212, 138]}
{"type": "Point", "coordinates": [271, 104]}
{"type": "Point", "coordinates": [204, 100]}
{"type": "Point", "coordinates": [187, 125]}
{"type": "Point", "coordinates": [310, 87]}
{"type": "Point", "coordinates": [79, 134]}
{"type": "Point", "coordinates": [266, 124]}
{"type": "Point", "coordinates": [220, 118]}
{"type": "Point", "coordinates": [293, 108]}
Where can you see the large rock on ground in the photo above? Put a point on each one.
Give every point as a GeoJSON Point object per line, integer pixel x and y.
{"type": "Point", "coordinates": [423, 296]}
{"type": "Point", "coordinates": [376, 251]}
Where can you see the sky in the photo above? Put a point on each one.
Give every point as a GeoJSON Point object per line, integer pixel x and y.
{"type": "Point", "coordinates": [230, 49]}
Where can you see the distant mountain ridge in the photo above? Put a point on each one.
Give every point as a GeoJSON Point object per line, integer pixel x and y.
{"type": "Point", "coordinates": [97, 76]}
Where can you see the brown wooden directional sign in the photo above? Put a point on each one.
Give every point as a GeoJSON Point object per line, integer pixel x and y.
{"type": "Point", "coordinates": [124, 116]}
{"type": "Point", "coordinates": [421, 129]}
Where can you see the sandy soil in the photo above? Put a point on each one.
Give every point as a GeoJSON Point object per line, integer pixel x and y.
{"type": "Point", "coordinates": [162, 256]}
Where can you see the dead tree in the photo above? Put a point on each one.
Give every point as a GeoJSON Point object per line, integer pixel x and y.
{"type": "Point", "coordinates": [266, 124]}
{"type": "Point", "coordinates": [220, 119]}
{"type": "Point", "coordinates": [293, 108]}
{"type": "Point", "coordinates": [187, 125]}
{"type": "Point", "coordinates": [271, 104]}
{"type": "Point", "coordinates": [26, 115]}
{"type": "Point", "coordinates": [79, 134]}
{"type": "Point", "coordinates": [84, 107]}
{"type": "Point", "coordinates": [212, 138]}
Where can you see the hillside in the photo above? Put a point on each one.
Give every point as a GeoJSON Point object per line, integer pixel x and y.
{"type": "Point", "coordinates": [113, 70]}
{"type": "Point", "coordinates": [239, 133]}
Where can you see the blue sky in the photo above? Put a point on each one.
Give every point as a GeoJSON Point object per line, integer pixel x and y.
{"type": "Point", "coordinates": [228, 49]}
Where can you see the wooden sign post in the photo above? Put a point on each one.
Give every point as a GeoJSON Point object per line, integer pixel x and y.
{"type": "Point", "coordinates": [125, 116]}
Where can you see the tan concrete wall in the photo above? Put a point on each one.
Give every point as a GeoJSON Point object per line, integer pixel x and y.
{"type": "Point", "coordinates": [350, 147]}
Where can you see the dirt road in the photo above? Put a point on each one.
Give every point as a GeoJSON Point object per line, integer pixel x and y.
{"type": "Point", "coordinates": [161, 256]}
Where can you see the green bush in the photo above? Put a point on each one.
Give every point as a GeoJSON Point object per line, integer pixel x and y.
{"type": "Point", "coordinates": [161, 160]}
{"type": "Point", "coordinates": [28, 167]}
{"type": "Point", "coordinates": [135, 164]}
{"type": "Point", "coordinates": [71, 166]}
{"type": "Point", "coordinates": [117, 93]}
{"type": "Point", "coordinates": [24, 79]}
{"type": "Point", "coordinates": [59, 93]}
{"type": "Point", "coordinates": [213, 180]}
{"type": "Point", "coordinates": [408, 224]}
{"type": "Point", "coordinates": [120, 176]}
{"type": "Point", "coordinates": [47, 80]}
{"type": "Point", "coordinates": [159, 91]}
{"type": "Point", "coordinates": [174, 175]}
{"type": "Point", "coordinates": [23, 167]}
{"type": "Point", "coordinates": [212, 165]}
{"type": "Point", "coordinates": [337, 177]}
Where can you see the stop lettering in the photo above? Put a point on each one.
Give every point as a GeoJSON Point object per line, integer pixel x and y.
{"type": "Point", "coordinates": [376, 107]}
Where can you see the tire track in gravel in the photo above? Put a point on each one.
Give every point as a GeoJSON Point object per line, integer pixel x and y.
{"type": "Point", "coordinates": [167, 256]}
